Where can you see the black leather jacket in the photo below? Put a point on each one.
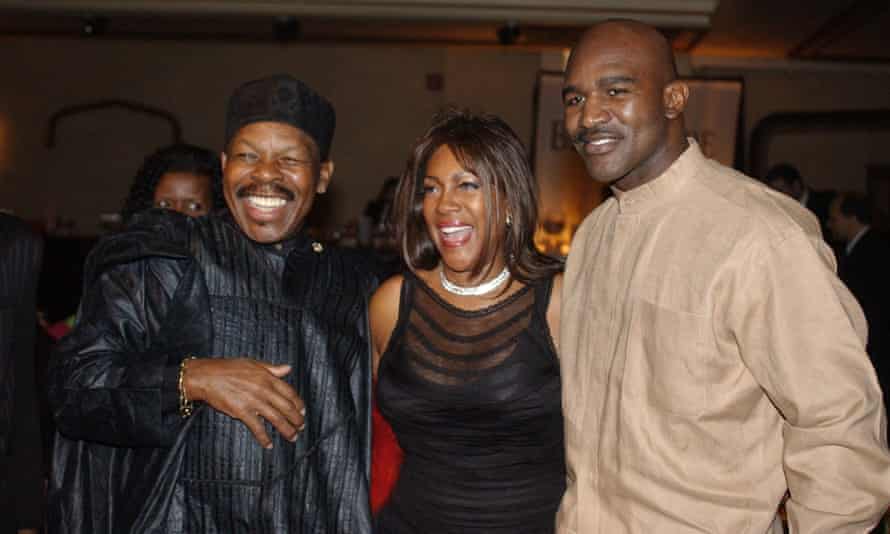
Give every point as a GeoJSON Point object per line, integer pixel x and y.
{"type": "Point", "coordinates": [170, 287]}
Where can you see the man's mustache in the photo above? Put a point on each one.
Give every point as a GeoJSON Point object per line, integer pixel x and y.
{"type": "Point", "coordinates": [585, 135]}
{"type": "Point", "coordinates": [267, 190]}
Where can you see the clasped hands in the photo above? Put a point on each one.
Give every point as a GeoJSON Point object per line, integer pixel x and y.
{"type": "Point", "coordinates": [250, 391]}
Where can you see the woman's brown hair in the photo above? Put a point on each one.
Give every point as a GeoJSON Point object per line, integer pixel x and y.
{"type": "Point", "coordinates": [486, 146]}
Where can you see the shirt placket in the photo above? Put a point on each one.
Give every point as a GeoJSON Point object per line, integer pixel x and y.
{"type": "Point", "coordinates": [617, 273]}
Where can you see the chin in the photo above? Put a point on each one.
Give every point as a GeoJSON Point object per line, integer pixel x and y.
{"type": "Point", "coordinates": [271, 231]}
{"type": "Point", "coordinates": [460, 264]}
{"type": "Point", "coordinates": [606, 175]}
{"type": "Point", "coordinates": [605, 178]}
{"type": "Point", "coordinates": [263, 234]}
{"type": "Point", "coordinates": [264, 238]}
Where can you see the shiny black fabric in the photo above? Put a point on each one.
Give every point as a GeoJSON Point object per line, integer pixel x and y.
{"type": "Point", "coordinates": [21, 473]}
{"type": "Point", "coordinates": [170, 287]}
{"type": "Point", "coordinates": [474, 399]}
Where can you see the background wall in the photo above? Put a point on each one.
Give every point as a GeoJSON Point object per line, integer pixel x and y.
{"type": "Point", "coordinates": [827, 159]}
{"type": "Point", "coordinates": [380, 94]}
{"type": "Point", "coordinates": [383, 104]}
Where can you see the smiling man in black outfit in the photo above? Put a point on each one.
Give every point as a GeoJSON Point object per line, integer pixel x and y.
{"type": "Point", "coordinates": [218, 378]}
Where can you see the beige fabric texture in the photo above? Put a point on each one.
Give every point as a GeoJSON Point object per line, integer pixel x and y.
{"type": "Point", "coordinates": [711, 358]}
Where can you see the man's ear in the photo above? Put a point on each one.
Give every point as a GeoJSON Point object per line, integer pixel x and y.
{"type": "Point", "coordinates": [325, 171]}
{"type": "Point", "coordinates": [675, 96]}
{"type": "Point", "coordinates": [222, 160]}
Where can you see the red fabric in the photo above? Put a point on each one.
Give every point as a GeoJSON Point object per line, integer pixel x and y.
{"type": "Point", "coordinates": [58, 330]}
{"type": "Point", "coordinates": [386, 459]}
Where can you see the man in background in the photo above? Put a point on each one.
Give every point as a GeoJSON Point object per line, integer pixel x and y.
{"type": "Point", "coordinates": [864, 266]}
{"type": "Point", "coordinates": [786, 178]}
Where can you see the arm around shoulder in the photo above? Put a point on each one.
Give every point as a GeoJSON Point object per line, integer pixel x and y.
{"type": "Point", "coordinates": [114, 378]}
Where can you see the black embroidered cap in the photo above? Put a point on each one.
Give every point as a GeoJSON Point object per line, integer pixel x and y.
{"type": "Point", "coordinates": [283, 98]}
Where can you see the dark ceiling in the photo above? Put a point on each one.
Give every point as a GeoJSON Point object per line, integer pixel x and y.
{"type": "Point", "coordinates": [841, 30]}
{"type": "Point", "coordinates": [828, 30]}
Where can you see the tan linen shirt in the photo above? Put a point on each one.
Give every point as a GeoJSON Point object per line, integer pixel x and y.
{"type": "Point", "coordinates": [710, 359]}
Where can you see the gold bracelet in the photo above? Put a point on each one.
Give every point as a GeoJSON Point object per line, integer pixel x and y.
{"type": "Point", "coordinates": [185, 405]}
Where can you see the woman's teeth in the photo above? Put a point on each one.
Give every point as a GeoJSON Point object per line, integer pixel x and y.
{"type": "Point", "coordinates": [454, 229]}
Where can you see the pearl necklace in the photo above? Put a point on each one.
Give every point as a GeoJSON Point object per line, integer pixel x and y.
{"type": "Point", "coordinates": [481, 289]}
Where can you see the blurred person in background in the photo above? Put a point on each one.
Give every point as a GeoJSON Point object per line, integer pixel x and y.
{"type": "Point", "coordinates": [180, 177]}
{"type": "Point", "coordinates": [786, 178]}
{"type": "Point", "coordinates": [21, 471]}
{"type": "Point", "coordinates": [864, 266]}
{"type": "Point", "coordinates": [376, 232]}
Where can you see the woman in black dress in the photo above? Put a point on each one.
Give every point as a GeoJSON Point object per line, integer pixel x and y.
{"type": "Point", "coordinates": [466, 366]}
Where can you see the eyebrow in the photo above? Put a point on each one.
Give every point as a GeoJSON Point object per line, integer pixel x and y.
{"type": "Point", "coordinates": [237, 140]}
{"type": "Point", "coordinates": [296, 146]}
{"type": "Point", "coordinates": [452, 176]}
{"type": "Point", "coordinates": [602, 82]}
{"type": "Point", "coordinates": [612, 80]}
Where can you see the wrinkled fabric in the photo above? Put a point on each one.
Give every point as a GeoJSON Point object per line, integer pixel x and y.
{"type": "Point", "coordinates": [172, 287]}
{"type": "Point", "coordinates": [712, 358]}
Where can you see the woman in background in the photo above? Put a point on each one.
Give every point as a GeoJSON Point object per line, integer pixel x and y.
{"type": "Point", "coordinates": [466, 367]}
{"type": "Point", "coordinates": [181, 177]}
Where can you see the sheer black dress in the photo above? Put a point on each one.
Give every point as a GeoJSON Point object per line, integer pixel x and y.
{"type": "Point", "coordinates": [474, 399]}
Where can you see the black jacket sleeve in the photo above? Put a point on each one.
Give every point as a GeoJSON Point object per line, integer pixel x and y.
{"type": "Point", "coordinates": [113, 379]}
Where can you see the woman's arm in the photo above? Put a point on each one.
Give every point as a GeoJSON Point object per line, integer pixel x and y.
{"type": "Point", "coordinates": [384, 314]}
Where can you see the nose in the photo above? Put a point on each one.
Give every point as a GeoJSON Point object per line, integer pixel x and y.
{"type": "Point", "coordinates": [594, 113]}
{"type": "Point", "coordinates": [180, 206]}
{"type": "Point", "coordinates": [267, 171]}
{"type": "Point", "coordinates": [447, 203]}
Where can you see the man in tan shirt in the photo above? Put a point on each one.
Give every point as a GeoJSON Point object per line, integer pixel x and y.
{"type": "Point", "coordinates": [711, 357]}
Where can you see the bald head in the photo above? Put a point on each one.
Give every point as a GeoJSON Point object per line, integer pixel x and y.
{"type": "Point", "coordinates": [624, 104]}
{"type": "Point", "coordinates": [637, 37]}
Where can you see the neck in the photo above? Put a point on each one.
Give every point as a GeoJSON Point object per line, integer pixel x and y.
{"type": "Point", "coordinates": [471, 277]}
{"type": "Point", "coordinates": [655, 165]}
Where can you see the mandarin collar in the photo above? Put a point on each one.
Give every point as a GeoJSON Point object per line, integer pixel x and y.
{"type": "Point", "coordinates": [664, 187]}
